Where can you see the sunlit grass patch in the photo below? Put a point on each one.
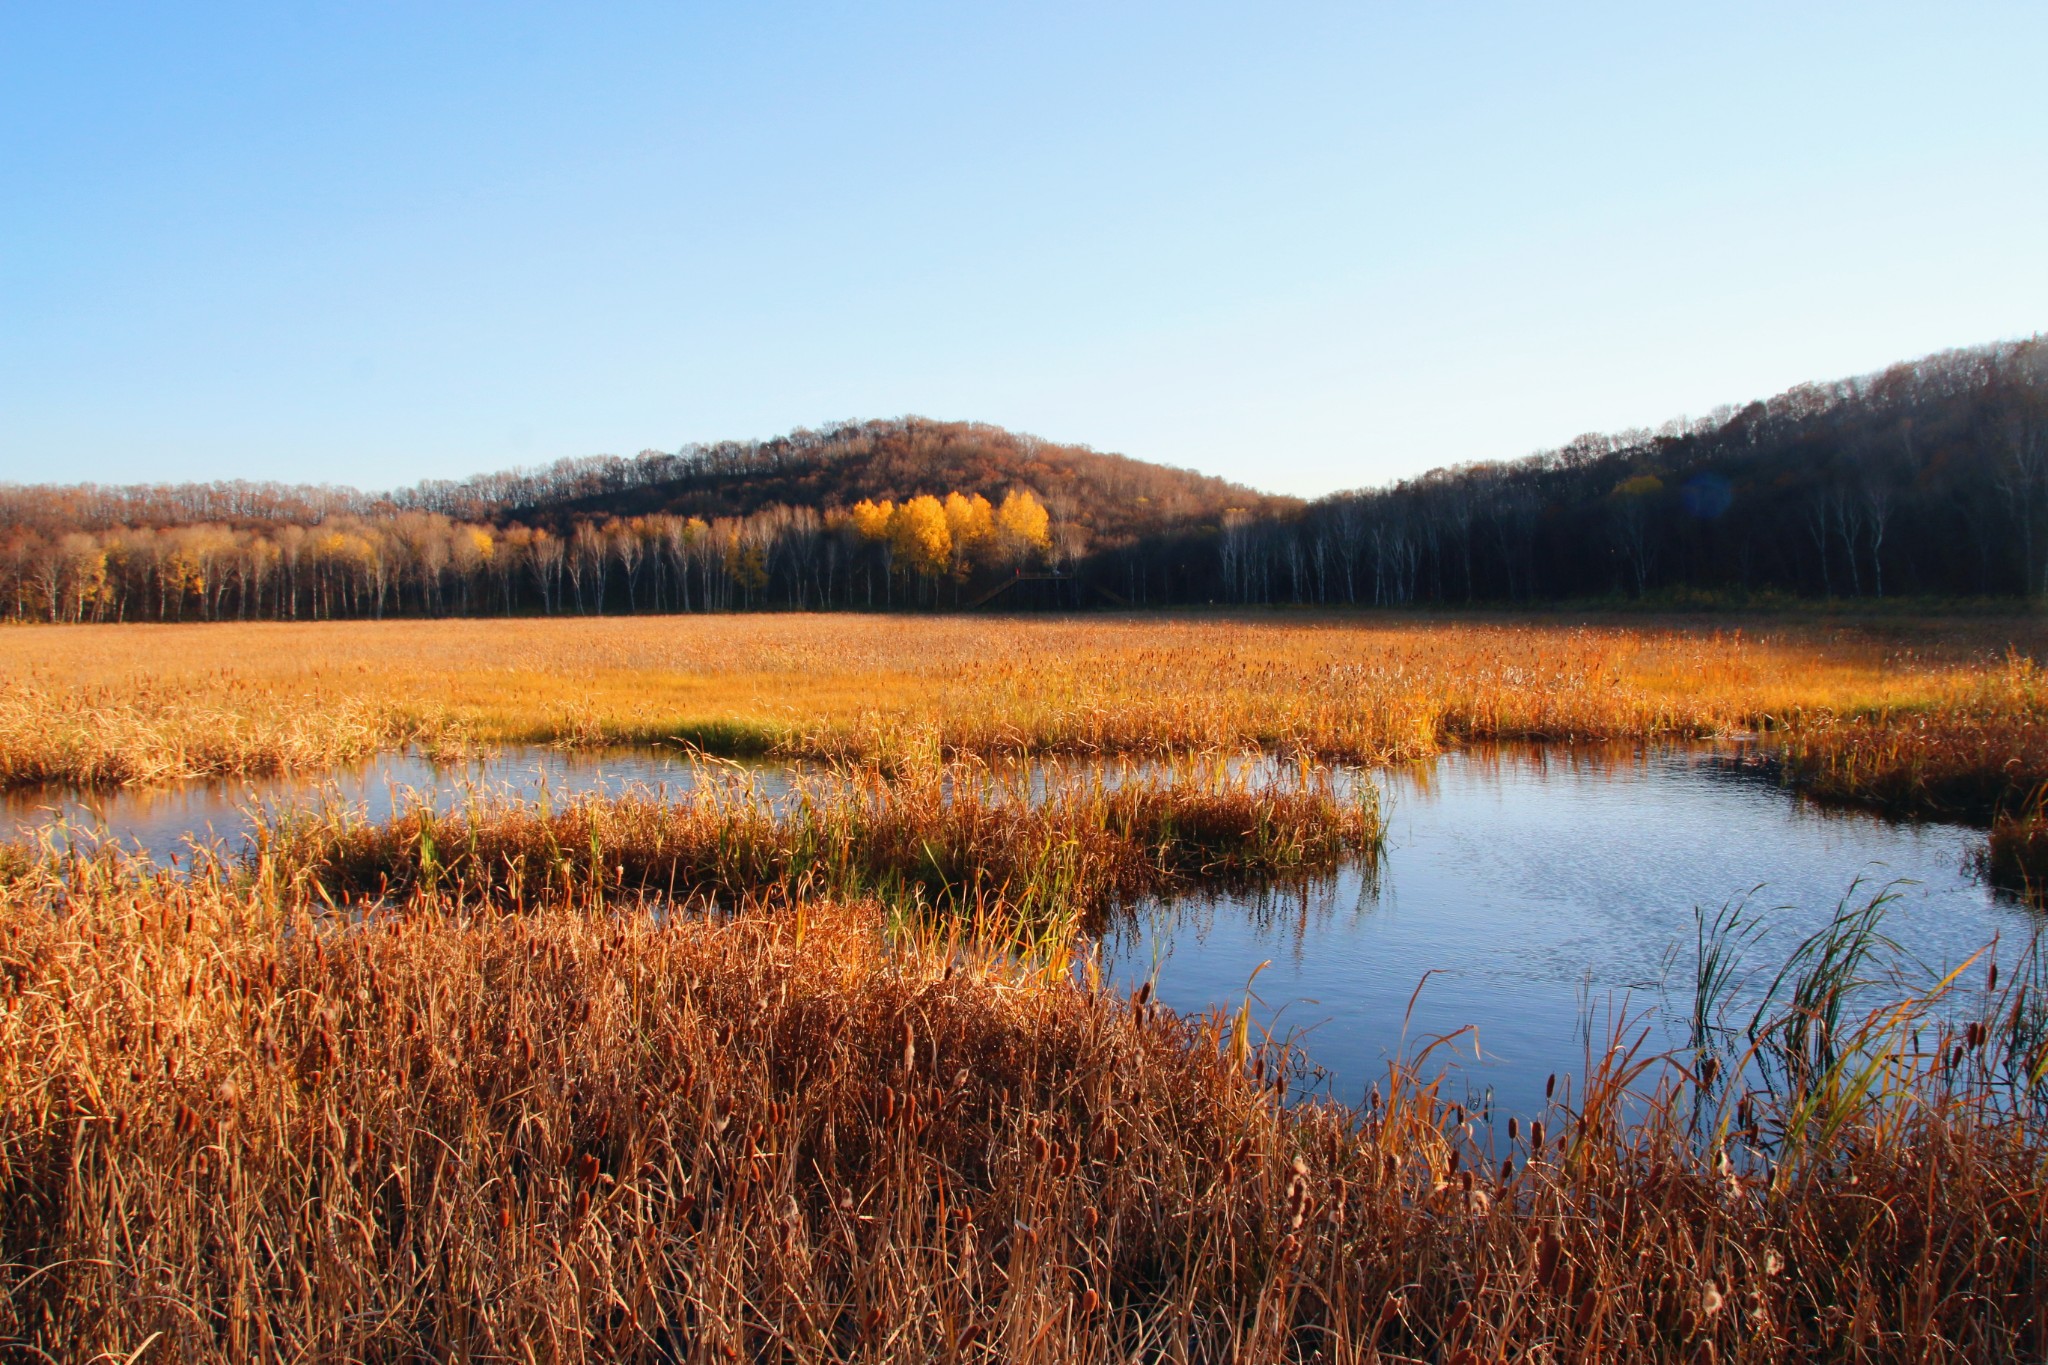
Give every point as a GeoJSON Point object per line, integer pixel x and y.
{"type": "Point", "coordinates": [1922, 717]}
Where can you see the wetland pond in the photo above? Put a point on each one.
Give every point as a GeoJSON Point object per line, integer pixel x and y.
{"type": "Point", "coordinates": [1533, 894]}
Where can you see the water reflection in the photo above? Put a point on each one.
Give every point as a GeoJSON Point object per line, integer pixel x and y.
{"type": "Point", "coordinates": [1524, 890]}
{"type": "Point", "coordinates": [169, 821]}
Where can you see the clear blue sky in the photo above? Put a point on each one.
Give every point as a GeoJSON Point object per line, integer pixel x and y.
{"type": "Point", "coordinates": [1304, 246]}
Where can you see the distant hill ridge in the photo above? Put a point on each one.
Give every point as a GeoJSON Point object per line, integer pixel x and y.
{"type": "Point", "coordinates": [1112, 500]}
{"type": "Point", "coordinates": [1928, 478]}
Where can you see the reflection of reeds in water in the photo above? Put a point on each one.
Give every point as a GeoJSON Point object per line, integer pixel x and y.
{"type": "Point", "coordinates": [235, 1124]}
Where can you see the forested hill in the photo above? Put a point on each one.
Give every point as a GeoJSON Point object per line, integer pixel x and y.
{"type": "Point", "coordinates": [1929, 478]}
{"type": "Point", "coordinates": [1098, 500]}
{"type": "Point", "coordinates": [907, 512]}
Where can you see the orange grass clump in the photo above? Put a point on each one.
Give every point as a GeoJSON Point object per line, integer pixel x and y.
{"type": "Point", "coordinates": [953, 838]}
{"type": "Point", "coordinates": [237, 1126]}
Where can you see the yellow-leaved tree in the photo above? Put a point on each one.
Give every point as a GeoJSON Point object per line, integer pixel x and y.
{"type": "Point", "coordinates": [920, 536]}
{"type": "Point", "coordinates": [871, 519]}
{"type": "Point", "coordinates": [972, 524]}
{"type": "Point", "coordinates": [1022, 526]}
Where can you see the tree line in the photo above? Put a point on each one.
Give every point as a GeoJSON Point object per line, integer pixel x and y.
{"type": "Point", "coordinates": [1928, 478]}
{"type": "Point", "coordinates": [921, 552]}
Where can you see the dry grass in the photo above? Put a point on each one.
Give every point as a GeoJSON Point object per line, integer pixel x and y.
{"type": "Point", "coordinates": [1918, 714]}
{"type": "Point", "coordinates": [1977, 753]}
{"type": "Point", "coordinates": [490, 1085]}
{"type": "Point", "coordinates": [233, 1128]}
{"type": "Point", "coordinates": [951, 840]}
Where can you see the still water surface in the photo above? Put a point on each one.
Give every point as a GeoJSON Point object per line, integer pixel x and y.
{"type": "Point", "coordinates": [168, 821]}
{"type": "Point", "coordinates": [1524, 891]}
{"type": "Point", "coordinates": [1528, 891]}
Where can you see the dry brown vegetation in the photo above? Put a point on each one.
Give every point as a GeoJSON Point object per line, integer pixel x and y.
{"type": "Point", "coordinates": [955, 839]}
{"type": "Point", "coordinates": [1923, 716]}
{"type": "Point", "coordinates": [236, 1123]}
{"type": "Point", "coordinates": [829, 1077]}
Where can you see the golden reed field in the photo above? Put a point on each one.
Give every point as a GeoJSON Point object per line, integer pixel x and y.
{"type": "Point", "coordinates": [834, 1078]}
{"type": "Point", "coordinates": [1913, 713]}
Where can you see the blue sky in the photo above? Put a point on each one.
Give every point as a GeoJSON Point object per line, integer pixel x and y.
{"type": "Point", "coordinates": [1304, 246]}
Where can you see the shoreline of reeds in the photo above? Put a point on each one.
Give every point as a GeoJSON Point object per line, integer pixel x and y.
{"type": "Point", "coordinates": [1037, 849]}
{"type": "Point", "coordinates": [1925, 718]}
{"type": "Point", "coordinates": [237, 1124]}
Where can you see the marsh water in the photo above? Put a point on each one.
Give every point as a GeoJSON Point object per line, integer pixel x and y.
{"type": "Point", "coordinates": [1541, 898]}
{"type": "Point", "coordinates": [1535, 897]}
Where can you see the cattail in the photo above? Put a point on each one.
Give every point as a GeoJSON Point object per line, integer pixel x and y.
{"type": "Point", "coordinates": [1549, 1248]}
{"type": "Point", "coordinates": [1297, 1194]}
{"type": "Point", "coordinates": [1584, 1311]}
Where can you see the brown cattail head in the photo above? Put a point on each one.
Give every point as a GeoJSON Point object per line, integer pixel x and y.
{"type": "Point", "coordinates": [1549, 1248]}
{"type": "Point", "coordinates": [1297, 1194]}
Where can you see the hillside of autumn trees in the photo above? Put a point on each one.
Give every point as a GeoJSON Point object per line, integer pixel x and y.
{"type": "Point", "coordinates": [877, 514]}
{"type": "Point", "coordinates": [1929, 478]}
